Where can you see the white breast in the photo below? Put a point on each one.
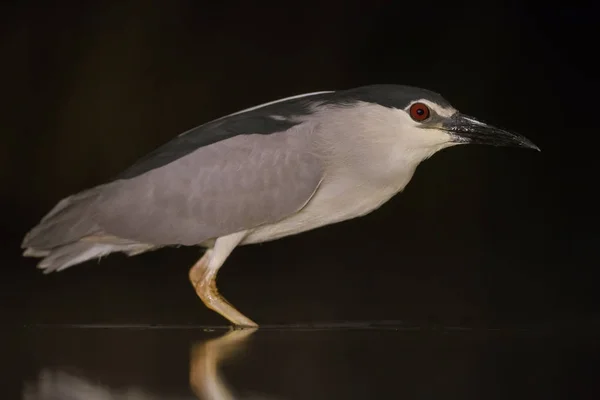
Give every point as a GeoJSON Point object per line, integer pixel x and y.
{"type": "Point", "coordinates": [339, 198]}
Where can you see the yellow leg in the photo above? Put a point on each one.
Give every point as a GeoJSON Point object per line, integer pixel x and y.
{"type": "Point", "coordinates": [203, 276]}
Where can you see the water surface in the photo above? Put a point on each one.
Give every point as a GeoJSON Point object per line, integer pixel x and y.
{"type": "Point", "coordinates": [332, 361]}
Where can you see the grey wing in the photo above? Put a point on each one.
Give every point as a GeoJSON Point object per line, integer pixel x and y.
{"type": "Point", "coordinates": [232, 185]}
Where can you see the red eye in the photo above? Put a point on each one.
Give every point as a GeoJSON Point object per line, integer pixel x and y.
{"type": "Point", "coordinates": [419, 112]}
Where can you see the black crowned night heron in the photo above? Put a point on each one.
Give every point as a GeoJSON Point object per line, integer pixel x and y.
{"type": "Point", "coordinates": [260, 174]}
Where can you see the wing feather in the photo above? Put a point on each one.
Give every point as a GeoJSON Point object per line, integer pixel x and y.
{"type": "Point", "coordinates": [231, 185]}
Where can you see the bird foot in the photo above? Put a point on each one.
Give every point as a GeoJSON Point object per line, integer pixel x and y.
{"type": "Point", "coordinates": [204, 282]}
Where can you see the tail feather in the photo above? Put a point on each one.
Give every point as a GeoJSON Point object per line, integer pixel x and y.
{"type": "Point", "coordinates": [29, 252]}
{"type": "Point", "coordinates": [76, 253]}
{"type": "Point", "coordinates": [68, 235]}
{"type": "Point", "coordinates": [69, 221]}
{"type": "Point", "coordinates": [72, 254]}
{"type": "Point", "coordinates": [57, 237]}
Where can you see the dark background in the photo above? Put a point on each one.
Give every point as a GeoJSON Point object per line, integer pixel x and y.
{"type": "Point", "coordinates": [481, 236]}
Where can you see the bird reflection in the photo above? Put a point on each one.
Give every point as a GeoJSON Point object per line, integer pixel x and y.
{"type": "Point", "coordinates": [60, 385]}
{"type": "Point", "coordinates": [205, 380]}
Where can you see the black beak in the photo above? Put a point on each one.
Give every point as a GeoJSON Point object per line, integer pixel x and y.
{"type": "Point", "coordinates": [465, 129]}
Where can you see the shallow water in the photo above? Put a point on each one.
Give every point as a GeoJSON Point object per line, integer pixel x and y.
{"type": "Point", "coordinates": [332, 361]}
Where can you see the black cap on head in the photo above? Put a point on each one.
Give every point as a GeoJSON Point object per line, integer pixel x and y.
{"type": "Point", "coordinates": [392, 96]}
